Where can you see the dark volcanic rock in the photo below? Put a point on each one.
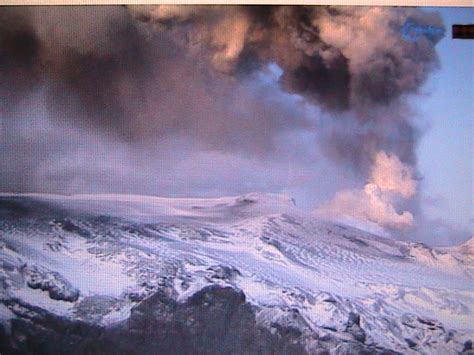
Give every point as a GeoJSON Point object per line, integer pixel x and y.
{"type": "Point", "coordinates": [353, 327]}
{"type": "Point", "coordinates": [57, 287]}
{"type": "Point", "coordinates": [213, 321]}
{"type": "Point", "coordinates": [223, 272]}
{"type": "Point", "coordinates": [467, 345]}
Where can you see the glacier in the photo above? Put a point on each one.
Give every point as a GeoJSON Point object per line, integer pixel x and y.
{"type": "Point", "coordinates": [233, 275]}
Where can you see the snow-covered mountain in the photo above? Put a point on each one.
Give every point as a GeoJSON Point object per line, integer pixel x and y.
{"type": "Point", "coordinates": [249, 274]}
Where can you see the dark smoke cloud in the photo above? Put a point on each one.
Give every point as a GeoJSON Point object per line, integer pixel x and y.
{"type": "Point", "coordinates": [19, 56]}
{"type": "Point", "coordinates": [101, 68]}
{"type": "Point", "coordinates": [91, 60]}
{"type": "Point", "coordinates": [344, 59]}
{"type": "Point", "coordinates": [340, 56]}
{"type": "Point", "coordinates": [138, 76]}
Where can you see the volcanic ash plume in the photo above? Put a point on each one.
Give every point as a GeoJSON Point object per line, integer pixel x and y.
{"type": "Point", "coordinates": [344, 59]}
{"type": "Point", "coordinates": [389, 181]}
{"type": "Point", "coordinates": [141, 80]}
{"type": "Point", "coordinates": [339, 56]}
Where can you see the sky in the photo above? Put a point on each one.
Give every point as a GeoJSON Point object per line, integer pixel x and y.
{"type": "Point", "coordinates": [329, 105]}
{"type": "Point", "coordinates": [446, 149]}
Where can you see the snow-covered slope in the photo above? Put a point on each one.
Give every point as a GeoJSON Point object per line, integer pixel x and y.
{"type": "Point", "coordinates": [97, 259]}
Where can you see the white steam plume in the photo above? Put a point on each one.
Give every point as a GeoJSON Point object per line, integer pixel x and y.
{"type": "Point", "coordinates": [389, 181]}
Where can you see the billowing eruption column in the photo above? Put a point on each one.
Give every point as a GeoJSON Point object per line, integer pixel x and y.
{"type": "Point", "coordinates": [344, 59]}
{"type": "Point", "coordinates": [389, 181]}
{"type": "Point", "coordinates": [144, 73]}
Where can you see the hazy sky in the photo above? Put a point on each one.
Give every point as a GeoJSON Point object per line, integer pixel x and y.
{"type": "Point", "coordinates": [446, 149]}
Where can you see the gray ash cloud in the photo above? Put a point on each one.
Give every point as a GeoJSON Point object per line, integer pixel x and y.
{"type": "Point", "coordinates": [143, 74]}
